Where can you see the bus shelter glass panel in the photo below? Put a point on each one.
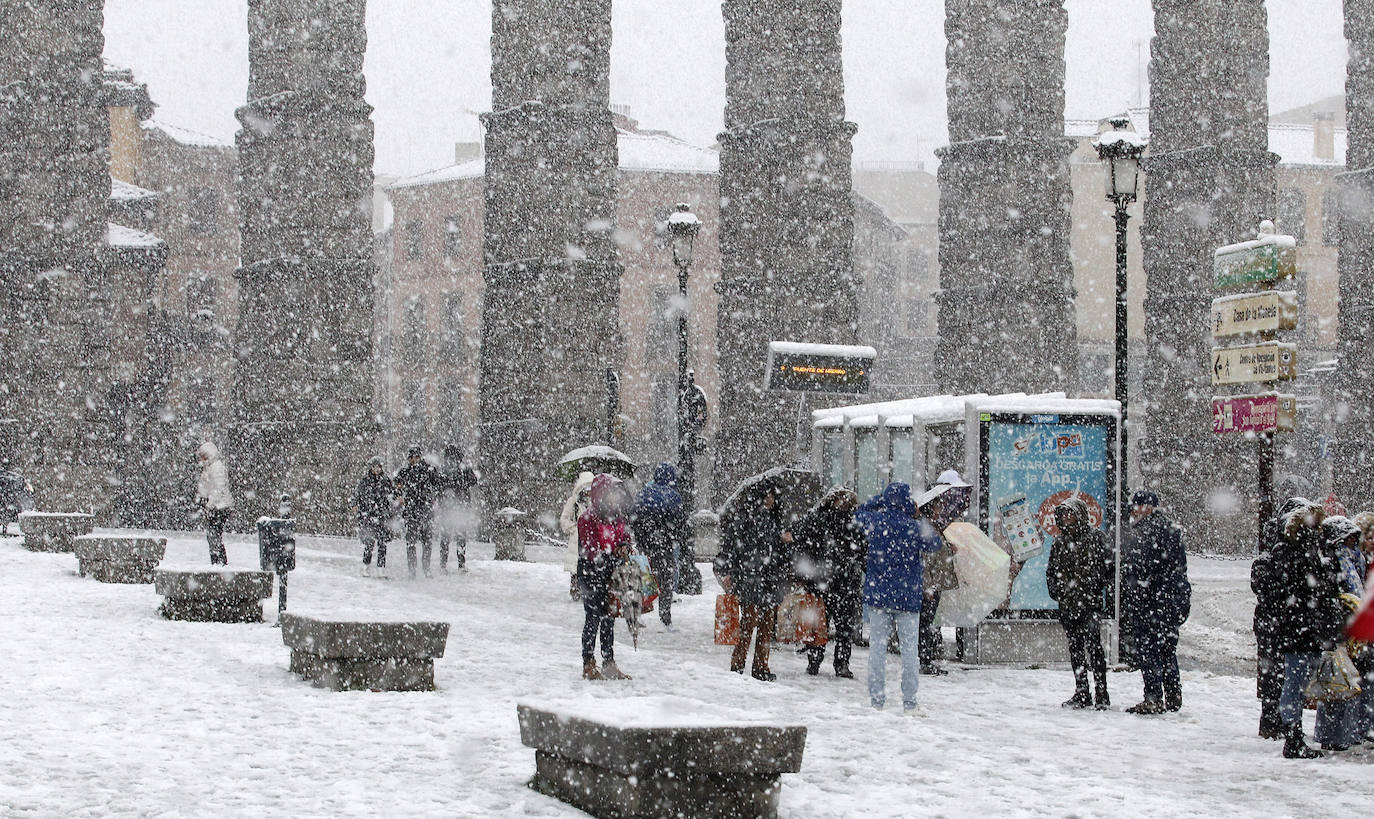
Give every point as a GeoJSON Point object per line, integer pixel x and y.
{"type": "Point", "coordinates": [865, 463]}
{"type": "Point", "coordinates": [832, 451]}
{"type": "Point", "coordinates": [899, 454]}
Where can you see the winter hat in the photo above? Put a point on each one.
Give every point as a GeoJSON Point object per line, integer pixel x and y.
{"type": "Point", "coordinates": [413, 452]}
{"type": "Point", "coordinates": [1339, 527]}
{"type": "Point", "coordinates": [950, 477]}
{"type": "Point", "coordinates": [1292, 505]}
{"type": "Point", "coordinates": [1145, 497]}
{"type": "Point", "coordinates": [208, 451]}
{"type": "Point", "coordinates": [583, 481]}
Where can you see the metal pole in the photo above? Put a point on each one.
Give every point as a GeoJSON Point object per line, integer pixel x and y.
{"type": "Point", "coordinates": [1121, 370]}
{"type": "Point", "coordinates": [1266, 485]}
{"type": "Point", "coordinates": [686, 480]}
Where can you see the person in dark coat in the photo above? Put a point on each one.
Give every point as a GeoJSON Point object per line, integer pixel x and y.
{"type": "Point", "coordinates": [898, 541]}
{"type": "Point", "coordinates": [659, 523]}
{"type": "Point", "coordinates": [755, 565]}
{"type": "Point", "coordinates": [1309, 617]}
{"type": "Point", "coordinates": [831, 550]}
{"type": "Point", "coordinates": [1078, 575]}
{"type": "Point", "coordinates": [1269, 597]}
{"type": "Point", "coordinates": [453, 510]}
{"type": "Point", "coordinates": [418, 483]}
{"type": "Point", "coordinates": [373, 501]}
{"type": "Point", "coordinates": [1154, 578]}
{"type": "Point", "coordinates": [1340, 723]}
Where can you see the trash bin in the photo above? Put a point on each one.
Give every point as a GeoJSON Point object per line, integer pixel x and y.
{"type": "Point", "coordinates": [508, 534]}
{"type": "Point", "coordinates": [277, 544]}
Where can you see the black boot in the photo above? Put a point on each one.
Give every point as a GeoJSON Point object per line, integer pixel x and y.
{"type": "Point", "coordinates": [1080, 699]}
{"type": "Point", "coordinates": [1270, 727]}
{"type": "Point", "coordinates": [814, 656]}
{"type": "Point", "coordinates": [1103, 701]}
{"type": "Point", "coordinates": [1294, 747]}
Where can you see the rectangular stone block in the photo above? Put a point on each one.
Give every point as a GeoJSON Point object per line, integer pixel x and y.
{"type": "Point", "coordinates": [606, 770]}
{"type": "Point", "coordinates": [54, 531]}
{"type": "Point", "coordinates": [358, 655]}
{"type": "Point", "coordinates": [213, 595]}
{"type": "Point", "coordinates": [119, 558]}
{"type": "Point", "coordinates": [1023, 641]}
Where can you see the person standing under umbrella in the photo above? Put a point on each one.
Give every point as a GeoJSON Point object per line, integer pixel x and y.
{"type": "Point", "coordinates": [604, 538]}
{"type": "Point", "coordinates": [831, 550]}
{"type": "Point", "coordinates": [755, 565]}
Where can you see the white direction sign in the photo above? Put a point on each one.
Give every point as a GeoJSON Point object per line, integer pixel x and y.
{"type": "Point", "coordinates": [1247, 313]}
{"type": "Point", "coordinates": [1255, 363]}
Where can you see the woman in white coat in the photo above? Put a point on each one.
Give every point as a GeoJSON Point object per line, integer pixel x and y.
{"type": "Point", "coordinates": [215, 501]}
{"type": "Point", "coordinates": [573, 507]}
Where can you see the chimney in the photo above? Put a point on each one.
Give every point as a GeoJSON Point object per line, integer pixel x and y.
{"type": "Point", "coordinates": [1324, 135]}
{"type": "Point", "coordinates": [463, 151]}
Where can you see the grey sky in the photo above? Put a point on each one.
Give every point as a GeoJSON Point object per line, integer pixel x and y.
{"type": "Point", "coordinates": [428, 64]}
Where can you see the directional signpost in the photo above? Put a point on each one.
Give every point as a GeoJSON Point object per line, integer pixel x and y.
{"type": "Point", "coordinates": [1260, 316]}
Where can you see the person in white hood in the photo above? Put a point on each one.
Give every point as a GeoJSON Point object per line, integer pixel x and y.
{"type": "Point", "coordinates": [216, 503]}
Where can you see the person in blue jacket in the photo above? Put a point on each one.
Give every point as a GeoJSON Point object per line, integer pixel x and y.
{"type": "Point", "coordinates": [659, 523]}
{"type": "Point", "coordinates": [897, 538]}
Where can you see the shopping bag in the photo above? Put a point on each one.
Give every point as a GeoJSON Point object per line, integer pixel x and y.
{"type": "Point", "coordinates": [801, 619]}
{"type": "Point", "coordinates": [1336, 679]}
{"type": "Point", "coordinates": [727, 620]}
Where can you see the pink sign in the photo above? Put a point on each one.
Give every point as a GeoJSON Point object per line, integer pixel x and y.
{"type": "Point", "coordinates": [1252, 413]}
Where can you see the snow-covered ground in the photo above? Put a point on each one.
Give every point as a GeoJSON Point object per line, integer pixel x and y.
{"type": "Point", "coordinates": [107, 709]}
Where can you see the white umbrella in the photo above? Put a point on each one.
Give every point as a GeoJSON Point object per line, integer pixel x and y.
{"type": "Point", "coordinates": [595, 458]}
{"type": "Point", "coordinates": [984, 571]}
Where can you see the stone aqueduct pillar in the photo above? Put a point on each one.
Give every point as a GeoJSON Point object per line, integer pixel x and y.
{"type": "Point", "coordinates": [54, 194]}
{"type": "Point", "coordinates": [1211, 181]}
{"type": "Point", "coordinates": [1354, 462]}
{"type": "Point", "coordinates": [550, 314]}
{"type": "Point", "coordinates": [303, 420]}
{"type": "Point", "coordinates": [787, 219]}
{"type": "Point", "coordinates": [1006, 311]}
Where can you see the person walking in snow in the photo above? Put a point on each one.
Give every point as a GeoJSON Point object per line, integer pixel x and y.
{"type": "Point", "coordinates": [1269, 593]}
{"type": "Point", "coordinates": [755, 565]}
{"type": "Point", "coordinates": [604, 537]}
{"type": "Point", "coordinates": [216, 502]}
{"type": "Point", "coordinates": [453, 510]}
{"type": "Point", "coordinates": [373, 501]}
{"type": "Point", "coordinates": [574, 507]}
{"type": "Point", "coordinates": [1078, 576]}
{"type": "Point", "coordinates": [1309, 617]}
{"type": "Point", "coordinates": [831, 550]}
{"type": "Point", "coordinates": [660, 528]}
{"type": "Point", "coordinates": [897, 543]}
{"type": "Point", "coordinates": [1154, 578]}
{"type": "Point", "coordinates": [418, 484]}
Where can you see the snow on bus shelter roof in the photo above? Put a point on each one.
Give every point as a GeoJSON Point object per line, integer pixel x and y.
{"type": "Point", "coordinates": [1037, 404]}
{"type": "Point", "coordinates": [930, 409]}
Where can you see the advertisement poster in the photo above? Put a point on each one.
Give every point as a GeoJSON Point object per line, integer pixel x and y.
{"type": "Point", "coordinates": [1033, 464]}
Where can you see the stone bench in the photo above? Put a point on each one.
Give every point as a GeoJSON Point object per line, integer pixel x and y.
{"type": "Point", "coordinates": [213, 595]}
{"type": "Point", "coordinates": [54, 531]}
{"type": "Point", "coordinates": [362, 656]}
{"type": "Point", "coordinates": [606, 770]}
{"type": "Point", "coordinates": [119, 558]}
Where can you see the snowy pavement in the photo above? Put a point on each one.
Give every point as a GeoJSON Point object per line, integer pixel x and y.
{"type": "Point", "coordinates": [108, 710]}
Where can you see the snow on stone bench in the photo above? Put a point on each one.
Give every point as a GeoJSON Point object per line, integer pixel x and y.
{"type": "Point", "coordinates": [54, 531]}
{"type": "Point", "coordinates": [212, 595]}
{"type": "Point", "coordinates": [356, 655]}
{"type": "Point", "coordinates": [119, 558]}
{"type": "Point", "coordinates": [659, 768]}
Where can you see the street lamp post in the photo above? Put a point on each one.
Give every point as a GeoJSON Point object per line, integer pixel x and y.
{"type": "Point", "coordinates": [682, 231]}
{"type": "Point", "coordinates": [1120, 150]}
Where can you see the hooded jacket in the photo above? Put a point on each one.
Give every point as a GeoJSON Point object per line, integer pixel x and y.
{"type": "Point", "coordinates": [213, 486]}
{"type": "Point", "coordinates": [1154, 583]}
{"type": "Point", "coordinates": [376, 491]}
{"type": "Point", "coordinates": [752, 552]}
{"type": "Point", "coordinates": [602, 527]}
{"type": "Point", "coordinates": [1080, 566]}
{"type": "Point", "coordinates": [660, 520]}
{"type": "Point", "coordinates": [1306, 575]}
{"type": "Point", "coordinates": [896, 541]}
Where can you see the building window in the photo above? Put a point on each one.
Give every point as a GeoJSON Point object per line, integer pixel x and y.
{"type": "Point", "coordinates": [203, 211]}
{"type": "Point", "coordinates": [1331, 217]}
{"type": "Point", "coordinates": [1292, 213]}
{"type": "Point", "coordinates": [453, 333]}
{"type": "Point", "coordinates": [412, 343]}
{"type": "Point", "coordinates": [415, 239]}
{"type": "Point", "coordinates": [200, 402]}
{"type": "Point", "coordinates": [453, 236]}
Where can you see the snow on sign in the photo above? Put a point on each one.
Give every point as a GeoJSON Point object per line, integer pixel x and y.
{"type": "Point", "coordinates": [1260, 261]}
{"type": "Point", "coordinates": [1254, 364]}
{"type": "Point", "coordinates": [1246, 313]}
{"type": "Point", "coordinates": [818, 367]}
{"type": "Point", "coordinates": [1269, 412]}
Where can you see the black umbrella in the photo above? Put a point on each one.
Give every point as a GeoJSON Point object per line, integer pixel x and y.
{"type": "Point", "coordinates": [797, 489]}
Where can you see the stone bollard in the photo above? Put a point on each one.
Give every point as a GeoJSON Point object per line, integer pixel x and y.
{"type": "Point", "coordinates": [213, 595]}
{"type": "Point", "coordinates": [705, 773]}
{"type": "Point", "coordinates": [364, 656]}
{"type": "Point", "coordinates": [54, 531]}
{"type": "Point", "coordinates": [508, 534]}
{"type": "Point", "coordinates": [119, 558]}
{"type": "Point", "coordinates": [706, 533]}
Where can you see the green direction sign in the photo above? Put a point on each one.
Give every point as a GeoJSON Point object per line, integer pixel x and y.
{"type": "Point", "coordinates": [1261, 261]}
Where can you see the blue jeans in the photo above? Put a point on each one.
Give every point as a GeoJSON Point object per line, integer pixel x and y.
{"type": "Point", "coordinates": [1297, 672]}
{"type": "Point", "coordinates": [880, 625]}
